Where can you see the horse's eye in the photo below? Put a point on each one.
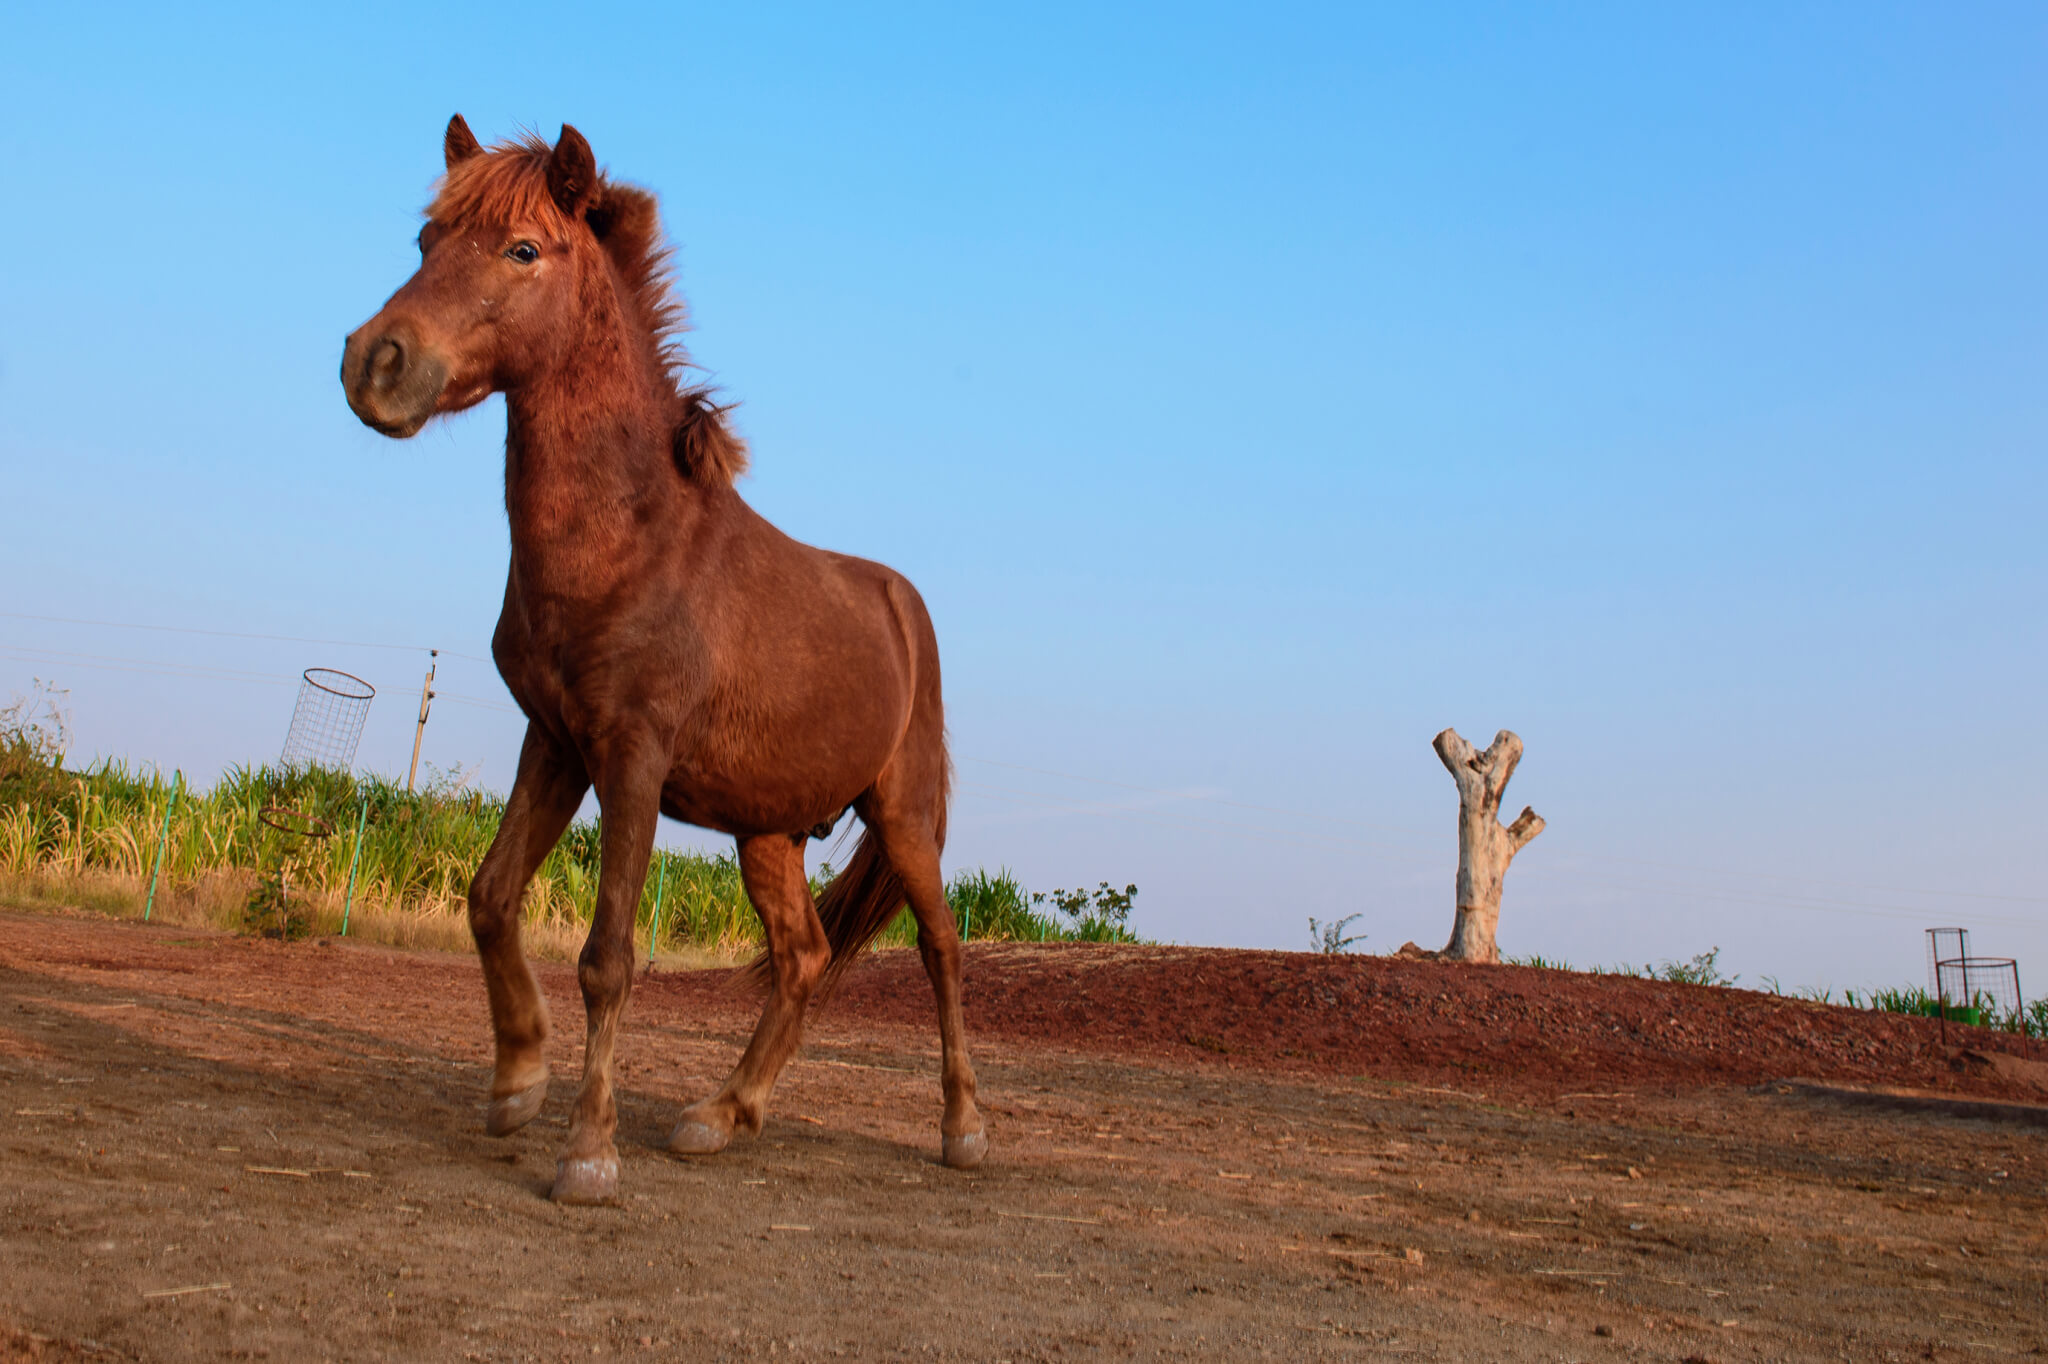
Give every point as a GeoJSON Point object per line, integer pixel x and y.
{"type": "Point", "coordinates": [526, 253]}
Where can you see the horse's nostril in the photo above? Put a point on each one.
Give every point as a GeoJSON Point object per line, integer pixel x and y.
{"type": "Point", "coordinates": [387, 362]}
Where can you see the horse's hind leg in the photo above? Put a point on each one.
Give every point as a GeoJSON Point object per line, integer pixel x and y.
{"type": "Point", "coordinates": [913, 851]}
{"type": "Point", "coordinates": [772, 866]}
{"type": "Point", "coordinates": [543, 801]}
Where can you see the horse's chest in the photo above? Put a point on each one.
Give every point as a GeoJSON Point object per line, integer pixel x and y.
{"type": "Point", "coordinates": [584, 683]}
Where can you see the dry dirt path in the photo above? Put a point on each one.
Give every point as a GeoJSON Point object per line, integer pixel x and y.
{"type": "Point", "coordinates": [293, 1135]}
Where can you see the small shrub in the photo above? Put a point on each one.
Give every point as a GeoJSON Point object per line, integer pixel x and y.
{"type": "Point", "coordinates": [1100, 916]}
{"type": "Point", "coordinates": [269, 912]}
{"type": "Point", "coordinates": [1330, 939]}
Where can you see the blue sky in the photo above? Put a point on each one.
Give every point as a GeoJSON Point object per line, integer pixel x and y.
{"type": "Point", "coordinates": [1251, 393]}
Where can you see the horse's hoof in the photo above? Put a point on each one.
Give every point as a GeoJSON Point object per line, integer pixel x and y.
{"type": "Point", "coordinates": [965, 1151]}
{"type": "Point", "coordinates": [693, 1138]}
{"type": "Point", "coordinates": [514, 1111]}
{"type": "Point", "coordinates": [586, 1180]}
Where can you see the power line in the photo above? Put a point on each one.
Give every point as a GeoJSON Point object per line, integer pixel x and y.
{"type": "Point", "coordinates": [479, 702]}
{"type": "Point", "coordinates": [109, 662]}
{"type": "Point", "coordinates": [202, 672]}
{"type": "Point", "coordinates": [1599, 857]}
{"type": "Point", "coordinates": [1768, 900]}
{"type": "Point", "coordinates": [207, 672]}
{"type": "Point", "coordinates": [1189, 795]}
{"type": "Point", "coordinates": [1344, 844]}
{"type": "Point", "coordinates": [1815, 880]}
{"type": "Point", "coordinates": [1331, 842]}
{"type": "Point", "coordinates": [1203, 826]}
{"type": "Point", "coordinates": [1079, 807]}
{"type": "Point", "coordinates": [237, 634]}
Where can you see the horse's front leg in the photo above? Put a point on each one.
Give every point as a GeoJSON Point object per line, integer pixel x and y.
{"type": "Point", "coordinates": [629, 794]}
{"type": "Point", "coordinates": [544, 798]}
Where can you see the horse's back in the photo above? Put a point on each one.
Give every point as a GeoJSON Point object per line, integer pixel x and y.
{"type": "Point", "coordinates": [790, 598]}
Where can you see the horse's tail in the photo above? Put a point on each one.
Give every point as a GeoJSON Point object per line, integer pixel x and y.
{"type": "Point", "coordinates": [862, 900]}
{"type": "Point", "coordinates": [865, 899]}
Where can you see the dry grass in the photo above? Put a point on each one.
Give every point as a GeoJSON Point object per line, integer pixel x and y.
{"type": "Point", "coordinates": [218, 899]}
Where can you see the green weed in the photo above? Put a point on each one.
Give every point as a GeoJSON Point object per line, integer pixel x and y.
{"type": "Point", "coordinates": [1541, 963]}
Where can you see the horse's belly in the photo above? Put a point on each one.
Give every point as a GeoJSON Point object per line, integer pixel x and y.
{"type": "Point", "coordinates": [750, 769]}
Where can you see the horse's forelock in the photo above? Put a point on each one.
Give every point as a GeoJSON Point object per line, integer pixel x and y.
{"type": "Point", "coordinates": [507, 185]}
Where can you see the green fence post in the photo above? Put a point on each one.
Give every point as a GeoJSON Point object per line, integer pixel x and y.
{"type": "Point", "coordinates": [660, 885]}
{"type": "Point", "coordinates": [162, 838]}
{"type": "Point", "coordinates": [355, 860]}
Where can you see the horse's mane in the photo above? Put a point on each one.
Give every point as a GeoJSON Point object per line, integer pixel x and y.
{"type": "Point", "coordinates": [509, 184]}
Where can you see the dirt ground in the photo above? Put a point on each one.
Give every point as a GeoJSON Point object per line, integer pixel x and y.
{"type": "Point", "coordinates": [223, 1148]}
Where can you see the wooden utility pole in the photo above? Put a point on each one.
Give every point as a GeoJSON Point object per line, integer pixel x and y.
{"type": "Point", "coordinates": [426, 704]}
{"type": "Point", "coordinates": [1485, 847]}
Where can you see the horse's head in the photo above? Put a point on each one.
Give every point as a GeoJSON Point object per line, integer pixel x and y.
{"type": "Point", "coordinates": [502, 256]}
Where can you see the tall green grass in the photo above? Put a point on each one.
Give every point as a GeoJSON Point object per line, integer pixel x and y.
{"type": "Point", "coordinates": [93, 837]}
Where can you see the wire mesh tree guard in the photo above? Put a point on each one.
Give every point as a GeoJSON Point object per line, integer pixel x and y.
{"type": "Point", "coordinates": [1959, 980]}
{"type": "Point", "coordinates": [327, 721]}
{"type": "Point", "coordinates": [327, 725]}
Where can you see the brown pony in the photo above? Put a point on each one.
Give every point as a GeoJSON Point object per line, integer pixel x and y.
{"type": "Point", "coordinates": [669, 647]}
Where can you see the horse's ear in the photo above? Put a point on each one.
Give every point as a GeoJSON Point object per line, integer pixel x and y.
{"type": "Point", "coordinates": [459, 143]}
{"type": "Point", "coordinates": [572, 173]}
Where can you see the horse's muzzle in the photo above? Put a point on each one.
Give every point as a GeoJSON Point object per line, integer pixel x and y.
{"type": "Point", "coordinates": [393, 382]}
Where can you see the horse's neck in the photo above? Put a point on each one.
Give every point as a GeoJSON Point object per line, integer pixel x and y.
{"type": "Point", "coordinates": [586, 453]}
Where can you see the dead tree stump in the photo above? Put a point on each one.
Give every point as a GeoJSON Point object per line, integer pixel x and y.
{"type": "Point", "coordinates": [1485, 846]}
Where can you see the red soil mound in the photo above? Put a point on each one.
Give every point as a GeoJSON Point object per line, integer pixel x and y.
{"type": "Point", "coordinates": [1509, 1032]}
{"type": "Point", "coordinates": [1502, 1030]}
